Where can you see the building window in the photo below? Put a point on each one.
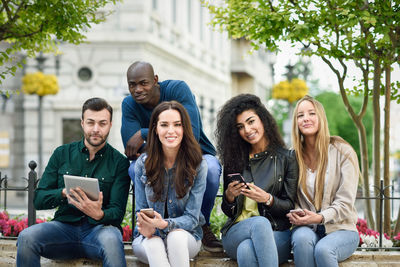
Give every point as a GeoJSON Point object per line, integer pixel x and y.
{"type": "Point", "coordinates": [4, 149]}
{"type": "Point", "coordinates": [189, 16]}
{"type": "Point", "coordinates": [201, 106]}
{"type": "Point", "coordinates": [72, 130]}
{"type": "Point", "coordinates": [155, 4]}
{"type": "Point", "coordinates": [201, 23]}
{"type": "Point", "coordinates": [85, 74]}
{"type": "Point", "coordinates": [174, 19]}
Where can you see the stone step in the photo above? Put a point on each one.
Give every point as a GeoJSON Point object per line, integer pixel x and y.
{"type": "Point", "coordinates": [8, 251]}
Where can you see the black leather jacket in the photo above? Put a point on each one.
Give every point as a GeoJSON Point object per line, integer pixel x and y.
{"type": "Point", "coordinates": [275, 172]}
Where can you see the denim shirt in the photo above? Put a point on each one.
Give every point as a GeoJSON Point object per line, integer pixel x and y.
{"type": "Point", "coordinates": [183, 213]}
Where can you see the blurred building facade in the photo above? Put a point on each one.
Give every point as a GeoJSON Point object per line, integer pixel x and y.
{"type": "Point", "coordinates": [173, 35]}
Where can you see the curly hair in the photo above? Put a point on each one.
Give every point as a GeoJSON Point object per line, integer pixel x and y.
{"type": "Point", "coordinates": [188, 159]}
{"type": "Point", "coordinates": [232, 149]}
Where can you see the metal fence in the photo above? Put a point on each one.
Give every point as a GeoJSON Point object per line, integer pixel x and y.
{"type": "Point", "coordinates": [381, 196]}
{"type": "Point", "coordinates": [30, 188]}
{"type": "Point", "coordinates": [32, 181]}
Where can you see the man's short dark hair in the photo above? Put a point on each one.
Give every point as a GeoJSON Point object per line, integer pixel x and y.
{"type": "Point", "coordinates": [96, 104]}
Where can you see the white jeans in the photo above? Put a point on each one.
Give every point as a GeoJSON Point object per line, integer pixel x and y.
{"type": "Point", "coordinates": [175, 250]}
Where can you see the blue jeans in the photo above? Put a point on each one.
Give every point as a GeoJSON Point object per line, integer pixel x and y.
{"type": "Point", "coordinates": [213, 175]}
{"type": "Point", "coordinates": [282, 242]}
{"type": "Point", "coordinates": [57, 240]}
{"type": "Point", "coordinates": [310, 250]}
{"type": "Point", "coordinates": [252, 243]}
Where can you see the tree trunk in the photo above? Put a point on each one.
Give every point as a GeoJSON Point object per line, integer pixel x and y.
{"type": "Point", "coordinates": [357, 119]}
{"type": "Point", "coordinates": [376, 141]}
{"type": "Point", "coordinates": [362, 136]}
{"type": "Point", "coordinates": [386, 152]}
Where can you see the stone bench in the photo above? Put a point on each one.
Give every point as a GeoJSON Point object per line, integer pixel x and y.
{"type": "Point", "coordinates": [8, 251]}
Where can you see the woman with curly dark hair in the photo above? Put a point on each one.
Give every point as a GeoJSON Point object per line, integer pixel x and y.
{"type": "Point", "coordinates": [249, 145]}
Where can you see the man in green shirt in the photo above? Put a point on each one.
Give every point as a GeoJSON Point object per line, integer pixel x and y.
{"type": "Point", "coordinates": [81, 228]}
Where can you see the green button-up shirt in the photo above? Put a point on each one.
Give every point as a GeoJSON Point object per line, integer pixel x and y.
{"type": "Point", "coordinates": [109, 166]}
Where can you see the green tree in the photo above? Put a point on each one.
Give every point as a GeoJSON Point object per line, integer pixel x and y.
{"type": "Point", "coordinates": [280, 110]}
{"type": "Point", "coordinates": [38, 25]}
{"type": "Point", "coordinates": [342, 33]}
{"type": "Point", "coordinates": [341, 124]}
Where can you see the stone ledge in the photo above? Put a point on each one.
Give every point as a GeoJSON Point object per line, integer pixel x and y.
{"type": "Point", "coordinates": [8, 252]}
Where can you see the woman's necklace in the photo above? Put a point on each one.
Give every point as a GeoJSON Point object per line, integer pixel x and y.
{"type": "Point", "coordinates": [311, 164]}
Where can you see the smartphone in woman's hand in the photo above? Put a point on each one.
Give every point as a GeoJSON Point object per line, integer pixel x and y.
{"type": "Point", "coordinates": [299, 212]}
{"type": "Point", "coordinates": [148, 212]}
{"type": "Point", "coordinates": [238, 177]}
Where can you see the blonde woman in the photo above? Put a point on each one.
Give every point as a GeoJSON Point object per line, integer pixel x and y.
{"type": "Point", "coordinates": [325, 222]}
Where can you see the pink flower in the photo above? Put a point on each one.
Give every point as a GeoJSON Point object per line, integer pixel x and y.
{"type": "Point", "coordinates": [397, 237]}
{"type": "Point", "coordinates": [127, 233]}
{"type": "Point", "coordinates": [4, 215]}
{"type": "Point", "coordinates": [14, 226]}
{"type": "Point", "coordinates": [360, 242]}
{"type": "Point", "coordinates": [40, 221]}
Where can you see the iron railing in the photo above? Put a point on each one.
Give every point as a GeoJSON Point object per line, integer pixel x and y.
{"type": "Point", "coordinates": [381, 196]}
{"type": "Point", "coordinates": [33, 180]}
{"type": "Point", "coordinates": [30, 188]}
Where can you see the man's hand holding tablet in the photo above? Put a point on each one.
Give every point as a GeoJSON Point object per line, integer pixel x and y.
{"type": "Point", "coordinates": [85, 195]}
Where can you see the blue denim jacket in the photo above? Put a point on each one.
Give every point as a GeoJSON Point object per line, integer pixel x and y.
{"type": "Point", "coordinates": [183, 213]}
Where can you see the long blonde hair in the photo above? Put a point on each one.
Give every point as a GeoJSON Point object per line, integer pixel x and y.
{"type": "Point", "coordinates": [323, 139]}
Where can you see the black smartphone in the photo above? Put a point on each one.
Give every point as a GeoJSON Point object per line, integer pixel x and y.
{"type": "Point", "coordinates": [238, 177]}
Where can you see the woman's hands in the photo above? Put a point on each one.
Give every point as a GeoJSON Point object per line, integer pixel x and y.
{"type": "Point", "coordinates": [234, 189]}
{"type": "Point", "coordinates": [309, 218]}
{"type": "Point", "coordinates": [147, 226]}
{"type": "Point", "coordinates": [255, 193]}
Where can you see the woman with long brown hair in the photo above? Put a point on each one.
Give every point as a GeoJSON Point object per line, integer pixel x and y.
{"type": "Point", "coordinates": [325, 224]}
{"type": "Point", "coordinates": [170, 178]}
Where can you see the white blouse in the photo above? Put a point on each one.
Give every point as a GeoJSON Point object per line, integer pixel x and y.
{"type": "Point", "coordinates": [310, 180]}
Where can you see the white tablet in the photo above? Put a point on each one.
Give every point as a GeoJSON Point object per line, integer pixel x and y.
{"type": "Point", "coordinates": [89, 185]}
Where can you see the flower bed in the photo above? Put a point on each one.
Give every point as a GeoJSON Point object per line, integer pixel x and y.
{"type": "Point", "coordinates": [11, 227]}
{"type": "Point", "coordinates": [127, 233]}
{"type": "Point", "coordinates": [370, 238]}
